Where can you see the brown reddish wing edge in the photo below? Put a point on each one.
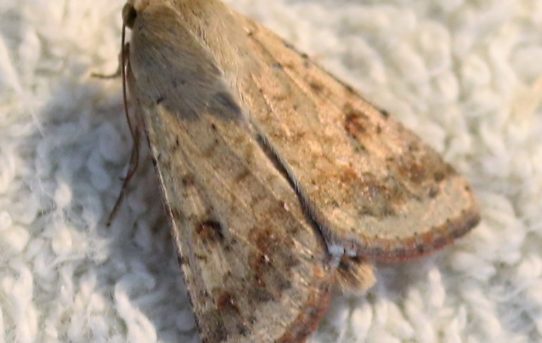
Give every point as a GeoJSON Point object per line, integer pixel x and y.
{"type": "Point", "coordinates": [308, 321]}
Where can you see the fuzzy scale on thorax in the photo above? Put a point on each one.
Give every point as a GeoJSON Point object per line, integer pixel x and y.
{"type": "Point", "coordinates": [193, 67]}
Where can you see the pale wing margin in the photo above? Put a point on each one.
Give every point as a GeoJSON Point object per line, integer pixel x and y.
{"type": "Point", "coordinates": [373, 185]}
{"type": "Point", "coordinates": [256, 269]}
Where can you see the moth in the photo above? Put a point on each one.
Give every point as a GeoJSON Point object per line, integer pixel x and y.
{"type": "Point", "coordinates": [281, 182]}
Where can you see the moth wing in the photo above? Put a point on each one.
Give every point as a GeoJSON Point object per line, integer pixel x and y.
{"type": "Point", "coordinates": [255, 268]}
{"type": "Point", "coordinates": [372, 184]}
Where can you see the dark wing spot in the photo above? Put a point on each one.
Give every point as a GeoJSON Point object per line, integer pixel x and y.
{"type": "Point", "coordinates": [188, 180]}
{"type": "Point", "coordinates": [215, 330]}
{"type": "Point", "coordinates": [316, 86]}
{"type": "Point", "coordinates": [227, 302]}
{"type": "Point", "coordinates": [439, 176]}
{"type": "Point", "coordinates": [353, 125]}
{"type": "Point", "coordinates": [356, 123]}
{"type": "Point", "coordinates": [412, 169]}
{"type": "Point", "coordinates": [260, 294]}
{"type": "Point", "coordinates": [210, 231]}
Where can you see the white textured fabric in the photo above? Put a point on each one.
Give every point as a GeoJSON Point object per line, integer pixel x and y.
{"type": "Point", "coordinates": [465, 75]}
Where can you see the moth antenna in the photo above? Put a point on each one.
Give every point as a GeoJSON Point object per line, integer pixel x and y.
{"type": "Point", "coordinates": [134, 132]}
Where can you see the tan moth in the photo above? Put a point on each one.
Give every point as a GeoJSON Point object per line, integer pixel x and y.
{"type": "Point", "coordinates": [281, 182]}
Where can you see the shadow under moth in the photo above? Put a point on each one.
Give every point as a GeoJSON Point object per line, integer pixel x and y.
{"type": "Point", "coordinates": [282, 184]}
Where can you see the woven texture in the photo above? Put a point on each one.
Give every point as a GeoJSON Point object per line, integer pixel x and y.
{"type": "Point", "coordinates": [464, 75]}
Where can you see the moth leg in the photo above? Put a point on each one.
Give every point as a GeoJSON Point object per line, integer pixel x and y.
{"type": "Point", "coordinates": [132, 168]}
{"type": "Point", "coordinates": [118, 72]}
{"type": "Point", "coordinates": [135, 131]}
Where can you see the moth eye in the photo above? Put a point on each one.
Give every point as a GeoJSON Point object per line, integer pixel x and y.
{"type": "Point", "coordinates": [129, 15]}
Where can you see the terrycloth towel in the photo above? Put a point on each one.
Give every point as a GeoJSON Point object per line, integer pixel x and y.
{"type": "Point", "coordinates": [465, 75]}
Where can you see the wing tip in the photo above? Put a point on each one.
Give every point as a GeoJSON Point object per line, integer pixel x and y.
{"type": "Point", "coordinates": [315, 309]}
{"type": "Point", "coordinates": [428, 242]}
{"type": "Point", "coordinates": [397, 249]}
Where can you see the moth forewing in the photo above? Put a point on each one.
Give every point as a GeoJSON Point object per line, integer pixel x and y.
{"type": "Point", "coordinates": [268, 164]}
{"type": "Point", "coordinates": [372, 185]}
{"type": "Point", "coordinates": [256, 269]}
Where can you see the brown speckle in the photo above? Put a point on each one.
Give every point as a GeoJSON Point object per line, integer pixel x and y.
{"type": "Point", "coordinates": [316, 86]}
{"type": "Point", "coordinates": [214, 325]}
{"type": "Point", "coordinates": [438, 176]}
{"type": "Point", "coordinates": [188, 180]}
{"type": "Point", "coordinates": [261, 294]}
{"type": "Point", "coordinates": [413, 147]}
{"type": "Point", "coordinates": [201, 257]}
{"type": "Point", "coordinates": [227, 302]}
{"type": "Point", "coordinates": [210, 231]}
{"type": "Point", "coordinates": [412, 169]}
{"type": "Point", "coordinates": [239, 178]}
{"type": "Point", "coordinates": [242, 329]}
{"type": "Point", "coordinates": [355, 122]}
{"type": "Point", "coordinates": [378, 197]}
{"type": "Point", "coordinates": [272, 261]}
{"type": "Point", "coordinates": [177, 213]}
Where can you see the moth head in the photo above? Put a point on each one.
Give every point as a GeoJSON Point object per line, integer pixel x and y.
{"type": "Point", "coordinates": [131, 9]}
